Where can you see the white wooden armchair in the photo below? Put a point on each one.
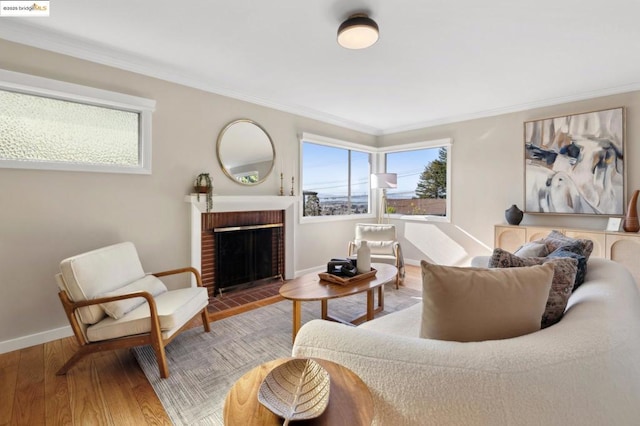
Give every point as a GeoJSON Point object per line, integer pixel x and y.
{"type": "Point", "coordinates": [111, 303]}
{"type": "Point", "coordinates": [383, 242]}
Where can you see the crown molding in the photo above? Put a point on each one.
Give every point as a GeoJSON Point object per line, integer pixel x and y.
{"type": "Point", "coordinates": [514, 108]}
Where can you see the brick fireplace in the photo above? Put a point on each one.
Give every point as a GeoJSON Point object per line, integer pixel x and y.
{"type": "Point", "coordinates": [260, 216]}
{"type": "Point", "coordinates": [241, 248]}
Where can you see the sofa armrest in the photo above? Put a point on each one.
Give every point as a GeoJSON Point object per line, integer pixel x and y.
{"type": "Point", "coordinates": [409, 378]}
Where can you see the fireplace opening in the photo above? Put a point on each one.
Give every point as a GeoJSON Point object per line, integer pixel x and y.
{"type": "Point", "coordinates": [246, 254]}
{"type": "Point", "coordinates": [241, 249]}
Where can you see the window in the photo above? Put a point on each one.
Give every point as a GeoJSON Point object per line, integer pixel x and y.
{"type": "Point", "coordinates": [335, 179]}
{"type": "Point", "coordinates": [49, 124]}
{"type": "Point", "coordinates": [423, 171]}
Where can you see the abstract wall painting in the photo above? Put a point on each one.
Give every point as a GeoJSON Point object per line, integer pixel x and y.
{"type": "Point", "coordinates": [575, 164]}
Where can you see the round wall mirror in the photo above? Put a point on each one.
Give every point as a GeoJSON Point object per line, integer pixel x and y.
{"type": "Point", "coordinates": [245, 152]}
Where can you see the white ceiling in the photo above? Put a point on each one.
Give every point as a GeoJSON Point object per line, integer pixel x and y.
{"type": "Point", "coordinates": [436, 61]}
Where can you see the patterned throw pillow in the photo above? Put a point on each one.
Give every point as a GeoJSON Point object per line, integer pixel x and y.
{"type": "Point", "coordinates": [555, 240]}
{"type": "Point", "coordinates": [564, 276]}
{"type": "Point", "coordinates": [573, 251]}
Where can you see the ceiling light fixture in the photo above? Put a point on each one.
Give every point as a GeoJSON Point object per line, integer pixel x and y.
{"type": "Point", "coordinates": [358, 32]}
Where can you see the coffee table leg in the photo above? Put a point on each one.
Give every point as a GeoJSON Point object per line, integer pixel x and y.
{"type": "Point", "coordinates": [324, 305]}
{"type": "Point", "coordinates": [381, 298]}
{"type": "Point", "coordinates": [297, 318]}
{"type": "Point", "coordinates": [370, 300]}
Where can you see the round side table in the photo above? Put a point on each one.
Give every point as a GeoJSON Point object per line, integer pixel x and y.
{"type": "Point", "coordinates": [350, 401]}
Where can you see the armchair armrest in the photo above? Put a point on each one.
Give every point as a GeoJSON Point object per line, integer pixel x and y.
{"type": "Point", "coordinates": [70, 308]}
{"type": "Point", "coordinates": [99, 300]}
{"type": "Point", "coordinates": [191, 269]}
{"type": "Point", "coordinates": [351, 248]}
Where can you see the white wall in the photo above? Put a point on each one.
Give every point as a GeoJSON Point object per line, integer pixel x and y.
{"type": "Point", "coordinates": [47, 215]}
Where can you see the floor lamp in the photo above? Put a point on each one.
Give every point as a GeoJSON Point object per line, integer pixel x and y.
{"type": "Point", "coordinates": [383, 181]}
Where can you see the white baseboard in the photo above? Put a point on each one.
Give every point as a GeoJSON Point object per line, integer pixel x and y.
{"type": "Point", "coordinates": [412, 262]}
{"type": "Point", "coordinates": [310, 270]}
{"type": "Point", "coordinates": [35, 339]}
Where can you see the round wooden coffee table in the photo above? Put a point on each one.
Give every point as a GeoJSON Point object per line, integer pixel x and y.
{"type": "Point", "coordinates": [350, 401]}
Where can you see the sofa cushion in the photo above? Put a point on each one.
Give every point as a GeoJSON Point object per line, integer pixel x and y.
{"type": "Point", "coordinates": [119, 308]}
{"type": "Point", "coordinates": [174, 308]}
{"type": "Point", "coordinates": [573, 252]}
{"type": "Point", "coordinates": [92, 273]}
{"type": "Point", "coordinates": [556, 239]}
{"type": "Point", "coordinates": [477, 304]}
{"type": "Point", "coordinates": [564, 275]}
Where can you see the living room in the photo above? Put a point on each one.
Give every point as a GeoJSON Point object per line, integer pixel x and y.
{"type": "Point", "coordinates": [49, 215]}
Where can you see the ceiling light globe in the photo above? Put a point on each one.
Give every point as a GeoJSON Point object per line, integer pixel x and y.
{"type": "Point", "coordinates": [358, 32]}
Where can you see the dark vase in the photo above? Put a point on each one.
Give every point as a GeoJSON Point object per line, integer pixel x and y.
{"type": "Point", "coordinates": [630, 222]}
{"type": "Point", "coordinates": [513, 215]}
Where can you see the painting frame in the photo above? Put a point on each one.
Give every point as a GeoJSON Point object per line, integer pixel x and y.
{"type": "Point", "coordinates": [574, 164]}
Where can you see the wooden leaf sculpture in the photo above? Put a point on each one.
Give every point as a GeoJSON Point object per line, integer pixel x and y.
{"type": "Point", "coordinates": [296, 390]}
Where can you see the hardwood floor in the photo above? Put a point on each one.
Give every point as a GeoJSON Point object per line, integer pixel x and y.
{"type": "Point", "coordinates": [107, 388]}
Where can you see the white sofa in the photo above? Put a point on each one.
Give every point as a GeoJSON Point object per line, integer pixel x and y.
{"type": "Point", "coordinates": [584, 370]}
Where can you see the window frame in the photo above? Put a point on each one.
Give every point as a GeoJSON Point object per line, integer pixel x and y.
{"type": "Point", "coordinates": [428, 144]}
{"type": "Point", "coordinates": [378, 165]}
{"type": "Point", "coordinates": [335, 143]}
{"type": "Point", "coordinates": [54, 89]}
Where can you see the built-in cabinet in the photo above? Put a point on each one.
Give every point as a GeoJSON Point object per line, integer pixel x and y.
{"type": "Point", "coordinates": [622, 247]}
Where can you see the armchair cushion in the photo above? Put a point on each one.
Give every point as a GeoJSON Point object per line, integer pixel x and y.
{"type": "Point", "coordinates": [381, 238]}
{"type": "Point", "coordinates": [380, 247]}
{"type": "Point", "coordinates": [93, 273]}
{"type": "Point", "coordinates": [174, 308]}
{"type": "Point", "coordinates": [117, 309]}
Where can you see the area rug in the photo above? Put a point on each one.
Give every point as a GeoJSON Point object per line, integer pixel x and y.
{"type": "Point", "coordinates": [204, 366]}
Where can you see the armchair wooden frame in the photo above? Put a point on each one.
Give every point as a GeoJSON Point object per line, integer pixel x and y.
{"type": "Point", "coordinates": [352, 249]}
{"type": "Point", "coordinates": [154, 337]}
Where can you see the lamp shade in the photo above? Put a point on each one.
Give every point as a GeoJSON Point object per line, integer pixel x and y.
{"type": "Point", "coordinates": [384, 180]}
{"type": "Point", "coordinates": [358, 32]}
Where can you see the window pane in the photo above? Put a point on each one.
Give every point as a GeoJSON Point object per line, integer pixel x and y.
{"type": "Point", "coordinates": [360, 171]}
{"type": "Point", "coordinates": [327, 185]}
{"type": "Point", "coordinates": [40, 129]}
{"type": "Point", "coordinates": [422, 182]}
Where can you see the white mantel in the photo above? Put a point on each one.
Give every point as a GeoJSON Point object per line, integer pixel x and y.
{"type": "Point", "coordinates": [232, 203]}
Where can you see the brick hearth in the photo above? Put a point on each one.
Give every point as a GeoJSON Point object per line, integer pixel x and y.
{"type": "Point", "coordinates": [237, 298]}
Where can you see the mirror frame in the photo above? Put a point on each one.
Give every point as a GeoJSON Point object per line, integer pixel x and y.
{"type": "Point", "coordinates": [220, 161]}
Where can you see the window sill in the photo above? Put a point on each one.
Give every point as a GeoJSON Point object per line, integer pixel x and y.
{"type": "Point", "coordinates": [336, 218]}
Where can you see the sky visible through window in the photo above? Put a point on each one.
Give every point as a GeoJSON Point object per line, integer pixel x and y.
{"type": "Point", "coordinates": [326, 169]}
{"type": "Point", "coordinates": [409, 165]}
